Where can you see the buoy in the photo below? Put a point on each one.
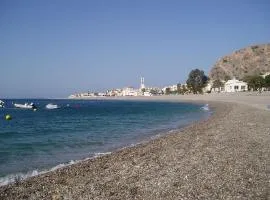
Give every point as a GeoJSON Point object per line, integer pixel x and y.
{"type": "Point", "coordinates": [8, 117]}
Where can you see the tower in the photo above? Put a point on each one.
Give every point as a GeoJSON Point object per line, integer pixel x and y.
{"type": "Point", "coordinates": [142, 83]}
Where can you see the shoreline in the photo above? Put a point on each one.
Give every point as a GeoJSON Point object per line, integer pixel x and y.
{"type": "Point", "coordinates": [255, 99]}
{"type": "Point", "coordinates": [21, 176]}
{"type": "Point", "coordinates": [226, 156]}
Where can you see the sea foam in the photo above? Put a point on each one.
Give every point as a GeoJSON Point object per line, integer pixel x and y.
{"type": "Point", "coordinates": [12, 178]}
{"type": "Point", "coordinates": [205, 107]}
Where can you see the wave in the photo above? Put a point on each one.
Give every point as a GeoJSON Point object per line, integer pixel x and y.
{"type": "Point", "coordinates": [205, 107]}
{"type": "Point", "coordinates": [13, 178]}
{"type": "Point", "coordinates": [101, 154]}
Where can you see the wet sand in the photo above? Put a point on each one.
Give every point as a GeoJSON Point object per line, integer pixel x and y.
{"type": "Point", "coordinates": [224, 157]}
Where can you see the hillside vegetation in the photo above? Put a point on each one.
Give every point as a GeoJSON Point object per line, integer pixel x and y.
{"type": "Point", "coordinates": [252, 60]}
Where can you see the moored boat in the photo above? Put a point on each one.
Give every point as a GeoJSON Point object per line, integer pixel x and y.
{"type": "Point", "coordinates": [2, 104]}
{"type": "Point", "coordinates": [51, 106]}
{"type": "Point", "coordinates": [25, 106]}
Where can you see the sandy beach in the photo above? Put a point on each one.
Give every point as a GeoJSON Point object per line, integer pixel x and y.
{"type": "Point", "coordinates": [224, 157]}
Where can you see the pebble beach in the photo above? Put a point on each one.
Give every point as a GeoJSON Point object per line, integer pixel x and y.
{"type": "Point", "coordinates": [223, 157]}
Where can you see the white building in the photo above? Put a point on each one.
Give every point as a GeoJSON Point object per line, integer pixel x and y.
{"type": "Point", "coordinates": [147, 94]}
{"type": "Point", "coordinates": [208, 87]}
{"type": "Point", "coordinates": [101, 94]}
{"type": "Point", "coordinates": [114, 92]}
{"type": "Point", "coordinates": [235, 86]}
{"type": "Point", "coordinates": [129, 91]}
{"type": "Point", "coordinates": [172, 88]}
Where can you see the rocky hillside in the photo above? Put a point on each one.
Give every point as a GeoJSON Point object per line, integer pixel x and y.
{"type": "Point", "coordinates": [248, 61]}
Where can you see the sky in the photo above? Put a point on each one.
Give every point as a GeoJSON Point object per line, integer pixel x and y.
{"type": "Point", "coordinates": [51, 49]}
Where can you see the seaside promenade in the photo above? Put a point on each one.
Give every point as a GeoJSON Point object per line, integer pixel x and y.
{"type": "Point", "coordinates": [224, 157]}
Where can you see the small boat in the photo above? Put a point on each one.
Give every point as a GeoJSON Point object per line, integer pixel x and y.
{"type": "Point", "coordinates": [2, 104]}
{"type": "Point", "coordinates": [51, 106]}
{"type": "Point", "coordinates": [25, 106]}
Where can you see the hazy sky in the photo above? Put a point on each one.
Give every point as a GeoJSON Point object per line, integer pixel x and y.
{"type": "Point", "coordinates": [54, 48]}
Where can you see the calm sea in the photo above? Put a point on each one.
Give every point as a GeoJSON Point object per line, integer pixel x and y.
{"type": "Point", "coordinates": [34, 142]}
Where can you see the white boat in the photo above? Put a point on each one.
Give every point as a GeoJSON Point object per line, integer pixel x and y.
{"type": "Point", "coordinates": [2, 104]}
{"type": "Point", "coordinates": [25, 106]}
{"type": "Point", "coordinates": [51, 106]}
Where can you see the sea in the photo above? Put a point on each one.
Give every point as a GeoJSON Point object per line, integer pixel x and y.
{"type": "Point", "coordinates": [35, 142]}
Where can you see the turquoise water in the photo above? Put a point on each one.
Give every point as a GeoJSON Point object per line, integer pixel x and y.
{"type": "Point", "coordinates": [36, 141]}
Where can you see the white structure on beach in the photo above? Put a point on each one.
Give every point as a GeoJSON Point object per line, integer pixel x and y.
{"type": "Point", "coordinates": [235, 86]}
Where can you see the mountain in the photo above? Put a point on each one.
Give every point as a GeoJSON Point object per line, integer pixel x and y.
{"type": "Point", "coordinates": [252, 60]}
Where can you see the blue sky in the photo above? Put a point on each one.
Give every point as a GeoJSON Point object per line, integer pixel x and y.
{"type": "Point", "coordinates": [55, 48]}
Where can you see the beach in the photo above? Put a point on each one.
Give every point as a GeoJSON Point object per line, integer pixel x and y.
{"type": "Point", "coordinates": [223, 157]}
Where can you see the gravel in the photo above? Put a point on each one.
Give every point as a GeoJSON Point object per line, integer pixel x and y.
{"type": "Point", "coordinates": [224, 157]}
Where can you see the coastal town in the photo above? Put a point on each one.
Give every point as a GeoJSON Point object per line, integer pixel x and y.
{"type": "Point", "coordinates": [166, 100]}
{"type": "Point", "coordinates": [211, 86]}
